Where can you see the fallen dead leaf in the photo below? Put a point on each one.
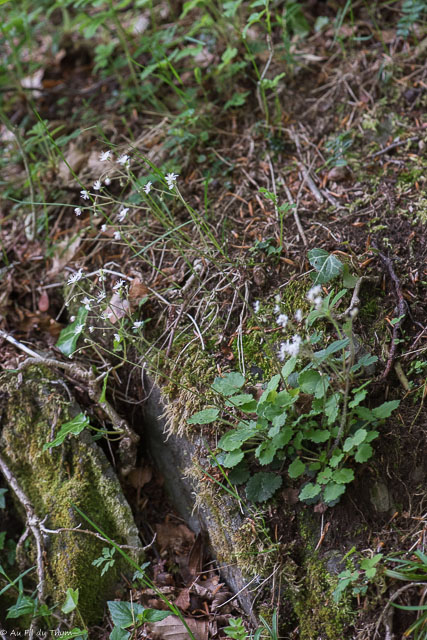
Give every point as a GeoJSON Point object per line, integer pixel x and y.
{"type": "Point", "coordinates": [172, 628]}
{"type": "Point", "coordinates": [118, 308]}
{"type": "Point", "coordinates": [183, 600]}
{"type": "Point", "coordinates": [64, 253]}
{"type": "Point", "coordinates": [140, 476]}
{"type": "Point", "coordinates": [176, 537]}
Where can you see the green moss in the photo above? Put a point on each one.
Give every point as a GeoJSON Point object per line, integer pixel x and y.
{"type": "Point", "coordinates": [74, 473]}
{"type": "Point", "coordinates": [318, 615]}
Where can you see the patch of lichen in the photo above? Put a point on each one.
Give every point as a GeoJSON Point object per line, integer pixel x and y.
{"type": "Point", "coordinates": [76, 473]}
{"type": "Point", "coordinates": [319, 616]}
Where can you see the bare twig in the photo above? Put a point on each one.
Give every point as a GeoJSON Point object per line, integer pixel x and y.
{"type": "Point", "coordinates": [33, 523]}
{"type": "Point", "coordinates": [355, 300]}
{"type": "Point", "coordinates": [401, 313]}
{"type": "Point", "coordinates": [95, 534]}
{"type": "Point", "coordinates": [391, 146]}
{"type": "Point", "coordinates": [393, 598]}
{"type": "Point", "coordinates": [308, 180]}
{"type": "Point", "coordinates": [19, 345]}
{"type": "Point", "coordinates": [295, 214]}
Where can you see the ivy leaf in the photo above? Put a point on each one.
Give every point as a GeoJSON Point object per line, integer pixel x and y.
{"type": "Point", "coordinates": [124, 613]}
{"type": "Point", "coordinates": [385, 410]}
{"type": "Point", "coordinates": [155, 615]}
{"type": "Point", "coordinates": [343, 476]}
{"type": "Point", "coordinates": [229, 384]}
{"type": "Point", "coordinates": [204, 417]}
{"type": "Point", "coordinates": [71, 601]}
{"type": "Point", "coordinates": [332, 492]}
{"type": "Point", "coordinates": [74, 427]}
{"type": "Point", "coordinates": [119, 634]}
{"type": "Point", "coordinates": [363, 453]}
{"type": "Point", "coordinates": [68, 337]}
{"type": "Point", "coordinates": [296, 469]}
{"type": "Point", "coordinates": [327, 265]}
{"type": "Point", "coordinates": [309, 491]}
{"type": "Point", "coordinates": [262, 486]}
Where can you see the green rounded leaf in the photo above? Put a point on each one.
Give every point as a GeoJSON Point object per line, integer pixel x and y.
{"type": "Point", "coordinates": [363, 453]}
{"type": "Point", "coordinates": [262, 486]}
{"type": "Point", "coordinates": [204, 417]}
{"type": "Point", "coordinates": [333, 491]}
{"type": "Point", "coordinates": [67, 341]}
{"type": "Point", "coordinates": [296, 469]}
{"type": "Point", "coordinates": [310, 491]}
{"type": "Point", "coordinates": [233, 458]}
{"type": "Point", "coordinates": [229, 384]}
{"type": "Point", "coordinates": [343, 476]}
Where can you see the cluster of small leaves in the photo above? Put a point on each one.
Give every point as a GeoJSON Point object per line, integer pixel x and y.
{"type": "Point", "coordinates": [131, 614]}
{"type": "Point", "coordinates": [307, 420]}
{"type": "Point", "coordinates": [412, 11]}
{"type": "Point", "coordinates": [358, 578]}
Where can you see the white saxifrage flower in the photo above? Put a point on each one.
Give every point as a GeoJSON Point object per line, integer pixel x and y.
{"type": "Point", "coordinates": [138, 324]}
{"type": "Point", "coordinates": [124, 160]}
{"type": "Point", "coordinates": [78, 211]}
{"type": "Point", "coordinates": [298, 315]}
{"type": "Point", "coordinates": [282, 320]}
{"type": "Point", "coordinates": [314, 296]}
{"type": "Point", "coordinates": [147, 187]}
{"type": "Point", "coordinates": [87, 303]}
{"type": "Point", "coordinates": [84, 194]}
{"type": "Point", "coordinates": [107, 181]}
{"type": "Point", "coordinates": [117, 235]}
{"type": "Point", "coordinates": [171, 179]}
{"type": "Point", "coordinates": [104, 228]}
{"type": "Point", "coordinates": [290, 347]}
{"type": "Point", "coordinates": [105, 155]}
{"type": "Point", "coordinates": [119, 284]}
{"type": "Point", "coordinates": [256, 306]}
{"type": "Point", "coordinates": [97, 185]}
{"type": "Point", "coordinates": [122, 214]}
{"type": "Point", "coordinates": [75, 277]}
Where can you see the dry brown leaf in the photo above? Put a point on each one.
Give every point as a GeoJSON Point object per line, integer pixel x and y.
{"type": "Point", "coordinates": [140, 476]}
{"type": "Point", "coordinates": [118, 308]}
{"type": "Point", "coordinates": [64, 253]}
{"type": "Point", "coordinates": [76, 159]}
{"type": "Point", "coordinates": [172, 628]}
{"type": "Point", "coordinates": [176, 537]}
{"type": "Point", "coordinates": [183, 600]}
{"type": "Point", "coordinates": [137, 291]}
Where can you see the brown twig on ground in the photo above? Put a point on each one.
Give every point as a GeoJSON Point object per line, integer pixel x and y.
{"type": "Point", "coordinates": [295, 214]}
{"type": "Point", "coordinates": [96, 535]}
{"type": "Point", "coordinates": [401, 313]}
{"type": "Point", "coordinates": [391, 146]}
{"type": "Point", "coordinates": [355, 300]}
{"type": "Point", "coordinates": [392, 599]}
{"type": "Point", "coordinates": [33, 523]}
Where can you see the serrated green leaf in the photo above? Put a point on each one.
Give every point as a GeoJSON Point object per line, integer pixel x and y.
{"type": "Point", "coordinates": [363, 453]}
{"type": "Point", "coordinates": [234, 439]}
{"type": "Point", "coordinates": [204, 417]}
{"type": "Point", "coordinates": [239, 474]}
{"type": "Point", "coordinates": [229, 384]}
{"type": "Point", "coordinates": [262, 486]}
{"type": "Point", "coordinates": [324, 476]}
{"type": "Point", "coordinates": [239, 399]}
{"type": "Point", "coordinates": [74, 427]}
{"type": "Point", "coordinates": [283, 437]}
{"type": "Point", "coordinates": [265, 452]}
{"type": "Point", "coordinates": [318, 435]}
{"type": "Point", "coordinates": [327, 265]}
{"type": "Point", "coordinates": [336, 458]}
{"type": "Point", "coordinates": [71, 601]}
{"type": "Point", "coordinates": [67, 341]}
{"type": "Point", "coordinates": [332, 492]}
{"type": "Point", "coordinates": [310, 491]}
{"type": "Point", "coordinates": [332, 407]}
{"type": "Point", "coordinates": [343, 476]}
{"type": "Point", "coordinates": [296, 468]}
{"type": "Point", "coordinates": [232, 458]}
{"type": "Point", "coordinates": [386, 409]}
